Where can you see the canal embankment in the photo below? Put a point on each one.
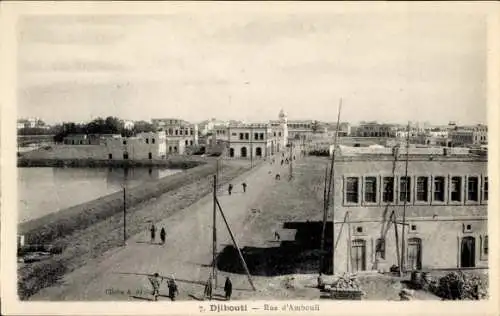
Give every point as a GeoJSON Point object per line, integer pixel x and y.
{"type": "Point", "coordinates": [86, 231]}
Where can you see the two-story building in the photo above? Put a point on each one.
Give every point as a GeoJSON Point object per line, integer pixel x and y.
{"type": "Point", "coordinates": [178, 130]}
{"type": "Point", "coordinates": [442, 197]}
{"type": "Point", "coordinates": [251, 141]}
{"type": "Point", "coordinates": [469, 135]}
{"type": "Point", "coordinates": [374, 129]}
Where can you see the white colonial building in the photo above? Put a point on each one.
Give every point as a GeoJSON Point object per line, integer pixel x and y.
{"type": "Point", "coordinates": [150, 145]}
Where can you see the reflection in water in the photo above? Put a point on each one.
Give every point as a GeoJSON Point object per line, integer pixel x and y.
{"type": "Point", "coordinates": [45, 190]}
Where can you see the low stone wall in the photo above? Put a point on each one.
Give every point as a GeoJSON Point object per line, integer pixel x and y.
{"type": "Point", "coordinates": [174, 163]}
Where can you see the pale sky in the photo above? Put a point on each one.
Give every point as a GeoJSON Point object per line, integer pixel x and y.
{"type": "Point", "coordinates": [247, 66]}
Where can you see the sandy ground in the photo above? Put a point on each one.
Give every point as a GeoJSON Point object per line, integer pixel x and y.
{"type": "Point", "coordinates": [121, 274]}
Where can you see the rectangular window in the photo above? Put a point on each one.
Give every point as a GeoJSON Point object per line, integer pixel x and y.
{"type": "Point", "coordinates": [241, 135]}
{"type": "Point", "coordinates": [352, 190]}
{"type": "Point", "coordinates": [422, 189]}
{"type": "Point", "coordinates": [186, 142]}
{"type": "Point", "coordinates": [152, 140]}
{"type": "Point", "coordinates": [380, 248]}
{"type": "Point", "coordinates": [261, 136]}
{"type": "Point", "coordinates": [247, 135]}
{"type": "Point", "coordinates": [472, 188]}
{"type": "Point", "coordinates": [439, 189]}
{"type": "Point", "coordinates": [404, 189]}
{"type": "Point", "coordinates": [191, 132]}
{"type": "Point", "coordinates": [233, 134]}
{"type": "Point", "coordinates": [279, 134]}
{"type": "Point", "coordinates": [456, 189]}
{"type": "Point", "coordinates": [371, 189]}
{"type": "Point", "coordinates": [256, 136]}
{"type": "Point", "coordinates": [485, 245]}
{"type": "Point", "coordinates": [388, 195]}
{"type": "Point", "coordinates": [485, 189]}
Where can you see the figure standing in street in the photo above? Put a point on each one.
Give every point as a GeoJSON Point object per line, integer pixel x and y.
{"type": "Point", "coordinates": [163, 235]}
{"type": "Point", "coordinates": [208, 288]}
{"type": "Point", "coordinates": [153, 233]}
{"type": "Point", "coordinates": [173, 290]}
{"type": "Point", "coordinates": [244, 185]}
{"type": "Point", "coordinates": [228, 289]}
{"type": "Point", "coordinates": [230, 188]}
{"type": "Point", "coordinates": [155, 283]}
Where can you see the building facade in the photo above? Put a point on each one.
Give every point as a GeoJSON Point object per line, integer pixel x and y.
{"type": "Point", "coordinates": [444, 199]}
{"type": "Point", "coordinates": [469, 135]}
{"type": "Point", "coordinates": [178, 130]}
{"type": "Point", "coordinates": [251, 141]}
{"type": "Point", "coordinates": [143, 146]}
{"type": "Point", "coordinates": [374, 129]}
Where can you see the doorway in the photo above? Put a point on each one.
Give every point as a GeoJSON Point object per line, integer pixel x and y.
{"type": "Point", "coordinates": [231, 152]}
{"type": "Point", "coordinates": [258, 152]}
{"type": "Point", "coordinates": [414, 254]}
{"type": "Point", "coordinates": [150, 156]}
{"type": "Point", "coordinates": [243, 152]}
{"type": "Point", "coordinates": [468, 252]}
{"type": "Point", "coordinates": [125, 155]}
{"type": "Point", "coordinates": [358, 255]}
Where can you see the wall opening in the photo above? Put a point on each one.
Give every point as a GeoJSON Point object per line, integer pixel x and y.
{"type": "Point", "coordinates": [468, 252]}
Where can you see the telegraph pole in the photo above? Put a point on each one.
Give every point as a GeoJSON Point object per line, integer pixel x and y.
{"type": "Point", "coordinates": [124, 216]}
{"type": "Point", "coordinates": [407, 190]}
{"type": "Point", "coordinates": [330, 183]}
{"type": "Point", "coordinates": [214, 234]}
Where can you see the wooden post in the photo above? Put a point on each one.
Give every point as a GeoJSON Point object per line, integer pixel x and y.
{"type": "Point", "coordinates": [407, 190]}
{"type": "Point", "coordinates": [236, 246]}
{"type": "Point", "coordinates": [349, 243]}
{"type": "Point", "coordinates": [330, 183]}
{"type": "Point", "coordinates": [323, 230]}
{"type": "Point", "coordinates": [393, 216]}
{"type": "Point", "coordinates": [124, 216]}
{"type": "Point", "coordinates": [214, 235]}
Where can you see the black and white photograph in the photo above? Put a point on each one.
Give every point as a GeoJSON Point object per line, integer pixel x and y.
{"type": "Point", "coordinates": [218, 153]}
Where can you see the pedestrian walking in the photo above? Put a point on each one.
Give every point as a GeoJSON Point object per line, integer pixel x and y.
{"type": "Point", "coordinates": [153, 233]}
{"type": "Point", "coordinates": [208, 288]}
{"type": "Point", "coordinates": [244, 185]}
{"type": "Point", "coordinates": [163, 235]}
{"type": "Point", "coordinates": [230, 188]}
{"type": "Point", "coordinates": [173, 290]}
{"type": "Point", "coordinates": [228, 289]}
{"type": "Point", "coordinates": [156, 281]}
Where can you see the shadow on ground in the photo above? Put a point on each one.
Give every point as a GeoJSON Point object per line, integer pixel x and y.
{"type": "Point", "coordinates": [302, 254]}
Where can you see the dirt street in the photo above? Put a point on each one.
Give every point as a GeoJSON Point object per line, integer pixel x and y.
{"type": "Point", "coordinates": [187, 254]}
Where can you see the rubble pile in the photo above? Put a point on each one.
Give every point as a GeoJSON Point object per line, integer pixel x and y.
{"type": "Point", "coordinates": [347, 282]}
{"type": "Point", "coordinates": [459, 286]}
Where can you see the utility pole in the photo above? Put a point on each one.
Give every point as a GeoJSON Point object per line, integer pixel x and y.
{"type": "Point", "coordinates": [214, 234]}
{"type": "Point", "coordinates": [407, 191]}
{"type": "Point", "coordinates": [251, 146]}
{"type": "Point", "coordinates": [330, 182]}
{"type": "Point", "coordinates": [124, 216]}
{"type": "Point", "coordinates": [236, 246]}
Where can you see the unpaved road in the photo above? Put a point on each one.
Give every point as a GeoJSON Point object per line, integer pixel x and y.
{"type": "Point", "coordinates": [119, 274]}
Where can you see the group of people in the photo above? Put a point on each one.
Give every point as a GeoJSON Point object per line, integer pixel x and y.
{"type": "Point", "coordinates": [173, 290]}
{"type": "Point", "coordinates": [230, 188]}
{"type": "Point", "coordinates": [228, 288]}
{"type": "Point", "coordinates": [156, 281]}
{"type": "Point", "coordinates": [163, 234]}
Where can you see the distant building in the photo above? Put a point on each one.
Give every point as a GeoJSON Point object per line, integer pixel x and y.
{"type": "Point", "coordinates": [475, 135]}
{"type": "Point", "coordinates": [374, 129]}
{"type": "Point", "coordinates": [178, 130]}
{"type": "Point", "coordinates": [128, 125]}
{"type": "Point", "coordinates": [143, 146]}
{"type": "Point", "coordinates": [252, 141]}
{"type": "Point", "coordinates": [31, 123]}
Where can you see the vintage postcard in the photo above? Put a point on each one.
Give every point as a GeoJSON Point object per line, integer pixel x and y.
{"type": "Point", "coordinates": [211, 158]}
